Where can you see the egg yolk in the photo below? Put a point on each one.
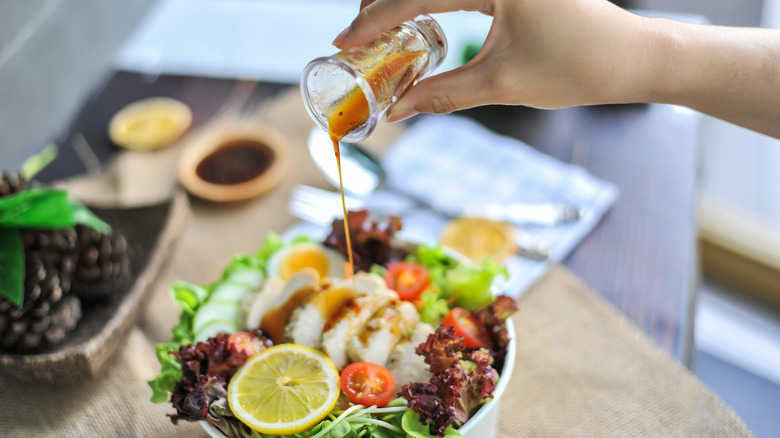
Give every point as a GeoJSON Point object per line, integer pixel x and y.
{"type": "Point", "coordinates": [304, 258]}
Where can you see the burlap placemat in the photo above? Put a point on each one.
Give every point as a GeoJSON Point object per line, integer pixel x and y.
{"type": "Point", "coordinates": [582, 369]}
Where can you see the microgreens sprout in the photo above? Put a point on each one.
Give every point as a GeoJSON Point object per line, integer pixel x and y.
{"type": "Point", "coordinates": [361, 414]}
{"type": "Point", "coordinates": [378, 422]}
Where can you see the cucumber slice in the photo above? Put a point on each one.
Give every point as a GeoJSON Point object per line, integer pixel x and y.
{"type": "Point", "coordinates": [214, 328]}
{"type": "Point", "coordinates": [250, 277]}
{"type": "Point", "coordinates": [229, 291]}
{"type": "Point", "coordinates": [215, 310]}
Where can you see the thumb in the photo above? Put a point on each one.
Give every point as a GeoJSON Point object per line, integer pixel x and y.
{"type": "Point", "coordinates": [444, 93]}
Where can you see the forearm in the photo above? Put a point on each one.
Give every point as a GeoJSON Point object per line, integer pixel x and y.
{"type": "Point", "coordinates": [727, 72]}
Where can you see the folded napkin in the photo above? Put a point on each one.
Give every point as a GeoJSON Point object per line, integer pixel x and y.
{"type": "Point", "coordinates": [458, 160]}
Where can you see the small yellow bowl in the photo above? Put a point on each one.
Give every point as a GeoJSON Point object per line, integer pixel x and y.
{"type": "Point", "coordinates": [234, 164]}
{"type": "Point", "coordinates": [478, 239]}
{"type": "Point", "coordinates": [150, 124]}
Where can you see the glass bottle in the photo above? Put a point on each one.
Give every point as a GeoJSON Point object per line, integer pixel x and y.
{"type": "Point", "coordinates": [347, 93]}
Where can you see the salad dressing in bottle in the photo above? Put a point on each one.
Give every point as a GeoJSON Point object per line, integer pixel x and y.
{"type": "Point", "coordinates": [348, 93]}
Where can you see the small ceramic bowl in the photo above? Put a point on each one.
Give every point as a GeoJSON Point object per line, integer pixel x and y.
{"type": "Point", "coordinates": [150, 124]}
{"type": "Point", "coordinates": [235, 164]}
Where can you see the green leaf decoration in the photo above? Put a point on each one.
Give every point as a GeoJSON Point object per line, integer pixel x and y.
{"type": "Point", "coordinates": [84, 216]}
{"type": "Point", "coordinates": [48, 209]}
{"type": "Point", "coordinates": [11, 265]}
{"type": "Point", "coordinates": [37, 162]}
{"type": "Point", "coordinates": [36, 208]}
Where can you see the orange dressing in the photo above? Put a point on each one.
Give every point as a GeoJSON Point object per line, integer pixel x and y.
{"type": "Point", "coordinates": [389, 317]}
{"type": "Point", "coordinates": [353, 111]}
{"type": "Point", "coordinates": [276, 319]}
{"type": "Point", "coordinates": [335, 141]}
{"type": "Point", "coordinates": [334, 304]}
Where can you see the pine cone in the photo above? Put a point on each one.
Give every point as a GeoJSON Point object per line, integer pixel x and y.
{"type": "Point", "coordinates": [103, 268]}
{"type": "Point", "coordinates": [48, 313]}
{"type": "Point", "coordinates": [11, 183]}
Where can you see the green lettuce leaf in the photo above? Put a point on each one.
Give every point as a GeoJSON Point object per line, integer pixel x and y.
{"type": "Point", "coordinates": [272, 243]}
{"type": "Point", "coordinates": [470, 285]}
{"type": "Point", "coordinates": [188, 296]}
{"type": "Point", "coordinates": [433, 307]}
{"type": "Point", "coordinates": [455, 284]}
{"type": "Point", "coordinates": [415, 429]}
{"type": "Point", "coordinates": [163, 384]}
{"type": "Point", "coordinates": [241, 262]}
{"type": "Point", "coordinates": [436, 261]}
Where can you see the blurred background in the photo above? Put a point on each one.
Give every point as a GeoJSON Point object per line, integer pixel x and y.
{"type": "Point", "coordinates": [55, 53]}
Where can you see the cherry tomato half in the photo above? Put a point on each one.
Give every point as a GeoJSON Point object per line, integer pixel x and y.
{"type": "Point", "coordinates": [408, 279]}
{"type": "Point", "coordinates": [466, 325]}
{"type": "Point", "coordinates": [367, 384]}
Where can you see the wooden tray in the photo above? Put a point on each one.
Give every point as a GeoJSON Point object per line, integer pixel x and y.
{"type": "Point", "coordinates": [150, 232]}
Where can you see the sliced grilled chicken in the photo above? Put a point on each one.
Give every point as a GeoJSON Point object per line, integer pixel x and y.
{"type": "Point", "coordinates": [372, 295]}
{"type": "Point", "coordinates": [255, 305]}
{"type": "Point", "coordinates": [404, 364]}
{"type": "Point", "coordinates": [382, 333]}
{"type": "Point", "coordinates": [365, 283]}
{"type": "Point", "coordinates": [298, 289]}
{"type": "Point", "coordinates": [309, 320]}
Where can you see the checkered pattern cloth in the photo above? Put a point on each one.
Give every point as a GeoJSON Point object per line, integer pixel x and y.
{"type": "Point", "coordinates": [458, 160]}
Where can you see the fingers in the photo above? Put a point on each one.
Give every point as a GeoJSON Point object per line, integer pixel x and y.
{"type": "Point", "coordinates": [444, 93]}
{"type": "Point", "coordinates": [382, 15]}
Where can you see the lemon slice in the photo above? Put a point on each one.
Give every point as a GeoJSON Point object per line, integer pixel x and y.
{"type": "Point", "coordinates": [478, 239]}
{"type": "Point", "coordinates": [150, 123]}
{"type": "Point", "coordinates": [285, 389]}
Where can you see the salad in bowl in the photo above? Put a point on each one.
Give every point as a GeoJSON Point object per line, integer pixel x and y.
{"type": "Point", "coordinates": [412, 341]}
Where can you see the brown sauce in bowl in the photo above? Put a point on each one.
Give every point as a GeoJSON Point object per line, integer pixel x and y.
{"type": "Point", "coordinates": [235, 162]}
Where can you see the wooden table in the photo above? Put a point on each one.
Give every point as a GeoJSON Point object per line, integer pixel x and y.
{"type": "Point", "coordinates": [642, 257]}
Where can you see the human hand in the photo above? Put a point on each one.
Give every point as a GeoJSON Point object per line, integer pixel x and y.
{"type": "Point", "coordinates": [539, 53]}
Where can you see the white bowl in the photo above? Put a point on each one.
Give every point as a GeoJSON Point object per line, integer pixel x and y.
{"type": "Point", "coordinates": [484, 424]}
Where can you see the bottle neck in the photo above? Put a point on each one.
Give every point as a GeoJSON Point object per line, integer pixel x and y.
{"type": "Point", "coordinates": [433, 36]}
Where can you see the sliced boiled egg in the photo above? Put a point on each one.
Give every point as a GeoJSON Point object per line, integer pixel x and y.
{"type": "Point", "coordinates": [285, 262]}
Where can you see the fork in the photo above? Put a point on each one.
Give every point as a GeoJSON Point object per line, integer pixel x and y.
{"type": "Point", "coordinates": [320, 207]}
